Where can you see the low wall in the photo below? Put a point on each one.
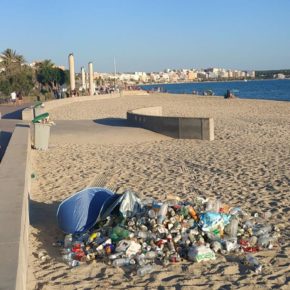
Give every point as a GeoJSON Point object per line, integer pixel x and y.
{"type": "Point", "coordinates": [27, 114]}
{"type": "Point", "coordinates": [177, 127]}
{"type": "Point", "coordinates": [14, 215]}
{"type": "Point", "coordinates": [61, 102]}
{"type": "Point", "coordinates": [134, 93]}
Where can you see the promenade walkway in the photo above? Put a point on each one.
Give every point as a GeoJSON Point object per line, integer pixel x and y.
{"type": "Point", "coordinates": [101, 131]}
{"type": "Point", "coordinates": [11, 115]}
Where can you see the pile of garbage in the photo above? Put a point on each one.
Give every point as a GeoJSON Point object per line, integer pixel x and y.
{"type": "Point", "coordinates": [144, 234]}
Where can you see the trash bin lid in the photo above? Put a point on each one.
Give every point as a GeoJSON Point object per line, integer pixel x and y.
{"type": "Point", "coordinates": [39, 118]}
{"type": "Point", "coordinates": [37, 104]}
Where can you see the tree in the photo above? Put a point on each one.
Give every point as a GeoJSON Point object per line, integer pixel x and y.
{"type": "Point", "coordinates": [11, 61]}
{"type": "Point", "coordinates": [49, 76]}
{"type": "Point", "coordinates": [18, 81]}
{"type": "Point", "coordinates": [15, 75]}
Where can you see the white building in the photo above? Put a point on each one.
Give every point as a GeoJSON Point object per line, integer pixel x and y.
{"type": "Point", "coordinates": [280, 76]}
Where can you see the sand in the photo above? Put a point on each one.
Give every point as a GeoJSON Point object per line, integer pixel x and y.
{"type": "Point", "coordinates": [247, 165]}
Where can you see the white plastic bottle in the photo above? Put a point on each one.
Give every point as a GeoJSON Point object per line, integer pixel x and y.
{"type": "Point", "coordinates": [233, 228]}
{"type": "Point", "coordinates": [73, 263]}
{"type": "Point", "coordinates": [162, 213]}
{"type": "Point", "coordinates": [150, 255]}
{"type": "Point", "coordinates": [263, 230]}
{"type": "Point", "coordinates": [145, 270]}
{"type": "Point", "coordinates": [122, 262]}
{"type": "Point", "coordinates": [68, 241]}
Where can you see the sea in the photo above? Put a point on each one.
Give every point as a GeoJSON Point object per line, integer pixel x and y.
{"type": "Point", "coordinates": [278, 90]}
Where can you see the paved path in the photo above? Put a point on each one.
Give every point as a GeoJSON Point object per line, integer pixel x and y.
{"type": "Point", "coordinates": [11, 115]}
{"type": "Point", "coordinates": [103, 131]}
{"type": "Point", "coordinates": [6, 130]}
{"type": "Point", "coordinates": [13, 112]}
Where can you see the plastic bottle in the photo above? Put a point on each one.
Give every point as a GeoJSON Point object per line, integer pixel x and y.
{"type": "Point", "coordinates": [265, 241]}
{"type": "Point", "coordinates": [177, 238]}
{"type": "Point", "coordinates": [68, 257]}
{"type": "Point", "coordinates": [119, 233]}
{"type": "Point", "coordinates": [150, 255]}
{"type": "Point", "coordinates": [253, 262]}
{"type": "Point", "coordinates": [192, 213]}
{"type": "Point", "coordinates": [231, 245]}
{"type": "Point", "coordinates": [233, 228]}
{"type": "Point", "coordinates": [123, 262]}
{"type": "Point", "coordinates": [141, 259]}
{"type": "Point", "coordinates": [145, 235]}
{"type": "Point", "coordinates": [152, 213]}
{"type": "Point", "coordinates": [145, 270]}
{"type": "Point", "coordinates": [73, 263]}
{"type": "Point", "coordinates": [115, 256]}
{"type": "Point", "coordinates": [93, 236]}
{"type": "Point", "coordinates": [216, 246]}
{"type": "Point", "coordinates": [213, 205]}
{"type": "Point", "coordinates": [68, 241]}
{"type": "Point", "coordinates": [263, 230]}
{"type": "Point", "coordinates": [235, 211]}
{"type": "Point", "coordinates": [253, 240]}
{"type": "Point", "coordinates": [162, 213]}
{"type": "Point", "coordinates": [171, 246]}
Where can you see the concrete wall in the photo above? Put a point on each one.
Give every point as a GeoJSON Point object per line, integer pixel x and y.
{"type": "Point", "coordinates": [27, 114]}
{"type": "Point", "coordinates": [14, 216]}
{"type": "Point", "coordinates": [177, 127]}
{"type": "Point", "coordinates": [49, 105]}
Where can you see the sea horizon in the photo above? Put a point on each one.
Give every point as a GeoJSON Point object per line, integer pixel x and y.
{"type": "Point", "coordinates": [269, 89]}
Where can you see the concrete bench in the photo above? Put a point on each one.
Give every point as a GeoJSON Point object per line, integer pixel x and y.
{"type": "Point", "coordinates": [177, 127]}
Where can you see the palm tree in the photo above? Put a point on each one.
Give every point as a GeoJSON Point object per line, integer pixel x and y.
{"type": "Point", "coordinates": [10, 59]}
{"type": "Point", "coordinates": [47, 63]}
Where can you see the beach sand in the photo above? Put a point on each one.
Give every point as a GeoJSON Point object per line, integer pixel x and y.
{"type": "Point", "coordinates": [247, 165]}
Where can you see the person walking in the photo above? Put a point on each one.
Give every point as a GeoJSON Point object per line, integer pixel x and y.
{"type": "Point", "coordinates": [13, 97]}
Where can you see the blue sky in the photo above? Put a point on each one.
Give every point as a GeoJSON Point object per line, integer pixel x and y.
{"type": "Point", "coordinates": [150, 35]}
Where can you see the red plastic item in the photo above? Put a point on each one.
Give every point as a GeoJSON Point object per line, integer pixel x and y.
{"type": "Point", "coordinates": [251, 249]}
{"type": "Point", "coordinates": [79, 255]}
{"type": "Point", "coordinates": [76, 250]}
{"type": "Point", "coordinates": [244, 243]}
{"type": "Point", "coordinates": [160, 242]}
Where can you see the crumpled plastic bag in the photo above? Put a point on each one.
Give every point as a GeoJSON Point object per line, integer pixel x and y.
{"type": "Point", "coordinates": [211, 220]}
{"type": "Point", "coordinates": [129, 205]}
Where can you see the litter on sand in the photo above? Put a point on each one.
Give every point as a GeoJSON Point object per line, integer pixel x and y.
{"type": "Point", "coordinates": [124, 231]}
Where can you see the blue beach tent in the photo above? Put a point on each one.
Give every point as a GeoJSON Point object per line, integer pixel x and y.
{"type": "Point", "coordinates": [83, 210]}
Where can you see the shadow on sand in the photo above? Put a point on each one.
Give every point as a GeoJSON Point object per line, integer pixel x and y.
{"type": "Point", "coordinates": [114, 122]}
{"type": "Point", "coordinates": [42, 216]}
{"type": "Point", "coordinates": [16, 115]}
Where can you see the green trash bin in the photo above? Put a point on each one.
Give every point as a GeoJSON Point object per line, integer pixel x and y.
{"type": "Point", "coordinates": [37, 109]}
{"type": "Point", "coordinates": [41, 132]}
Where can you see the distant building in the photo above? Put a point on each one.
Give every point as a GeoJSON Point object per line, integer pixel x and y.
{"type": "Point", "coordinates": [202, 75]}
{"type": "Point", "coordinates": [251, 74]}
{"type": "Point", "coordinates": [191, 75]}
{"type": "Point", "coordinates": [279, 76]}
{"type": "Point", "coordinates": [223, 74]}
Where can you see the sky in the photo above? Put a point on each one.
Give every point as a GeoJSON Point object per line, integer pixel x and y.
{"type": "Point", "coordinates": [150, 35]}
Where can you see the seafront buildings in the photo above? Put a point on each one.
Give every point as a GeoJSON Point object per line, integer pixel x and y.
{"type": "Point", "coordinates": [177, 76]}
